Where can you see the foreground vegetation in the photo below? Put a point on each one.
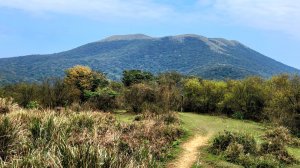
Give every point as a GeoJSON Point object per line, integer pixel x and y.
{"type": "Point", "coordinates": [85, 139]}
{"type": "Point", "coordinates": [243, 131]}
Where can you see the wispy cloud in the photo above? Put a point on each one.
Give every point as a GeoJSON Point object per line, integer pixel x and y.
{"type": "Point", "coordinates": [278, 15]}
{"type": "Point", "coordinates": [101, 9]}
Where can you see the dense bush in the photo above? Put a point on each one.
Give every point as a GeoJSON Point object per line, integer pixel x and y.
{"type": "Point", "coordinates": [283, 105]}
{"type": "Point", "coordinates": [83, 78]}
{"type": "Point", "coordinates": [141, 97]}
{"type": "Point", "coordinates": [245, 143]}
{"type": "Point", "coordinates": [102, 99]}
{"type": "Point", "coordinates": [246, 97]}
{"type": "Point", "coordinates": [131, 77]}
{"type": "Point", "coordinates": [242, 149]}
{"type": "Point", "coordinates": [202, 95]}
{"type": "Point", "coordinates": [276, 141]}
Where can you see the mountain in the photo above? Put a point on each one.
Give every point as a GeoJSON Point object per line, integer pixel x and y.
{"type": "Point", "coordinates": [212, 58]}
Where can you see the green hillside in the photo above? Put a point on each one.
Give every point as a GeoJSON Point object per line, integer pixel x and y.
{"type": "Point", "coordinates": [211, 58]}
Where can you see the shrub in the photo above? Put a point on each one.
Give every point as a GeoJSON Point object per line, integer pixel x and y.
{"type": "Point", "coordinates": [276, 141]}
{"type": "Point", "coordinates": [84, 78]}
{"type": "Point", "coordinates": [238, 115]}
{"type": "Point", "coordinates": [203, 95]}
{"type": "Point", "coordinates": [102, 99]}
{"type": "Point", "coordinates": [283, 105]}
{"type": "Point", "coordinates": [267, 161]}
{"type": "Point", "coordinates": [246, 161]}
{"type": "Point", "coordinates": [241, 148]}
{"type": "Point", "coordinates": [170, 118]}
{"type": "Point", "coordinates": [33, 105]}
{"type": "Point", "coordinates": [222, 141]}
{"type": "Point", "coordinates": [131, 77]}
{"type": "Point", "coordinates": [280, 135]}
{"type": "Point", "coordinates": [247, 97]}
{"type": "Point", "coordinates": [234, 151]}
{"type": "Point", "coordinates": [140, 97]}
{"type": "Point", "coordinates": [7, 105]}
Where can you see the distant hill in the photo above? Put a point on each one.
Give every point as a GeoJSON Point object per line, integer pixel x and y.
{"type": "Point", "coordinates": [212, 58]}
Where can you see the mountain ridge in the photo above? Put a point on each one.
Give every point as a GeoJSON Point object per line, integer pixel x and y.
{"type": "Point", "coordinates": [212, 58]}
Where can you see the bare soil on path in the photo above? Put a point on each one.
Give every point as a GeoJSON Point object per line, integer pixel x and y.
{"type": "Point", "coordinates": [190, 152]}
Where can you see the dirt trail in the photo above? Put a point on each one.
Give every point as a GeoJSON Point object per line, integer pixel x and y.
{"type": "Point", "coordinates": [190, 152]}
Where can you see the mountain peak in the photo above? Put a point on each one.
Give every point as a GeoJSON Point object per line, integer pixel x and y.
{"type": "Point", "coordinates": [182, 37]}
{"type": "Point", "coordinates": [212, 58]}
{"type": "Point", "coordinates": [127, 37]}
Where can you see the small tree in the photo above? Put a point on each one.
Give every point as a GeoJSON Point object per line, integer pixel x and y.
{"type": "Point", "coordinates": [136, 76]}
{"type": "Point", "coordinates": [283, 105]}
{"type": "Point", "coordinates": [82, 78]}
{"type": "Point", "coordinates": [140, 96]}
{"type": "Point", "coordinates": [203, 95]}
{"type": "Point", "coordinates": [246, 97]}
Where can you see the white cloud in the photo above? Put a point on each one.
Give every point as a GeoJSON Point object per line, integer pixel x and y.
{"type": "Point", "coordinates": [278, 15]}
{"type": "Point", "coordinates": [103, 9]}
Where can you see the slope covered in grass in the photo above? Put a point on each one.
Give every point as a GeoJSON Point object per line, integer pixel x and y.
{"type": "Point", "coordinates": [212, 125]}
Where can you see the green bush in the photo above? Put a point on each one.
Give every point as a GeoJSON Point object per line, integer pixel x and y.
{"type": "Point", "coordinates": [234, 151]}
{"type": "Point", "coordinates": [238, 115]}
{"type": "Point", "coordinates": [141, 98]}
{"type": "Point", "coordinates": [102, 99]}
{"type": "Point", "coordinates": [32, 105]}
{"type": "Point", "coordinates": [267, 161]}
{"type": "Point", "coordinates": [131, 77]}
{"type": "Point", "coordinates": [280, 135]}
{"type": "Point", "coordinates": [241, 149]}
{"type": "Point", "coordinates": [222, 141]}
{"type": "Point", "coordinates": [276, 141]}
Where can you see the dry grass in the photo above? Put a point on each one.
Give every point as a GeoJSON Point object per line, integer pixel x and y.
{"type": "Point", "coordinates": [86, 139]}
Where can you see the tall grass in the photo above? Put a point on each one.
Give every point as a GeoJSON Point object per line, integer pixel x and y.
{"type": "Point", "coordinates": [33, 138]}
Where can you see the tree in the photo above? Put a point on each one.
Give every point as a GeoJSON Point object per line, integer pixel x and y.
{"type": "Point", "coordinates": [245, 98]}
{"type": "Point", "coordinates": [136, 76]}
{"type": "Point", "coordinates": [203, 95]}
{"type": "Point", "coordinates": [283, 105]}
{"type": "Point", "coordinates": [82, 79]}
{"type": "Point", "coordinates": [140, 97]}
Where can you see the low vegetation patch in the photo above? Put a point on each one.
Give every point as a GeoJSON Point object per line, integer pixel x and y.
{"type": "Point", "coordinates": [33, 138]}
{"type": "Point", "coordinates": [242, 149]}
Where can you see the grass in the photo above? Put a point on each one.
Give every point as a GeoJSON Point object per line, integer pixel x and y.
{"type": "Point", "coordinates": [84, 139]}
{"type": "Point", "coordinates": [49, 128]}
{"type": "Point", "coordinates": [123, 116]}
{"type": "Point", "coordinates": [204, 124]}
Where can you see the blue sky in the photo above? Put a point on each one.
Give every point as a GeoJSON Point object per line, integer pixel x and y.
{"type": "Point", "coordinates": [271, 27]}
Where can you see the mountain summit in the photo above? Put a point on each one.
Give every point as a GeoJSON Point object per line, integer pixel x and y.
{"type": "Point", "coordinates": [127, 37]}
{"type": "Point", "coordinates": [212, 58]}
